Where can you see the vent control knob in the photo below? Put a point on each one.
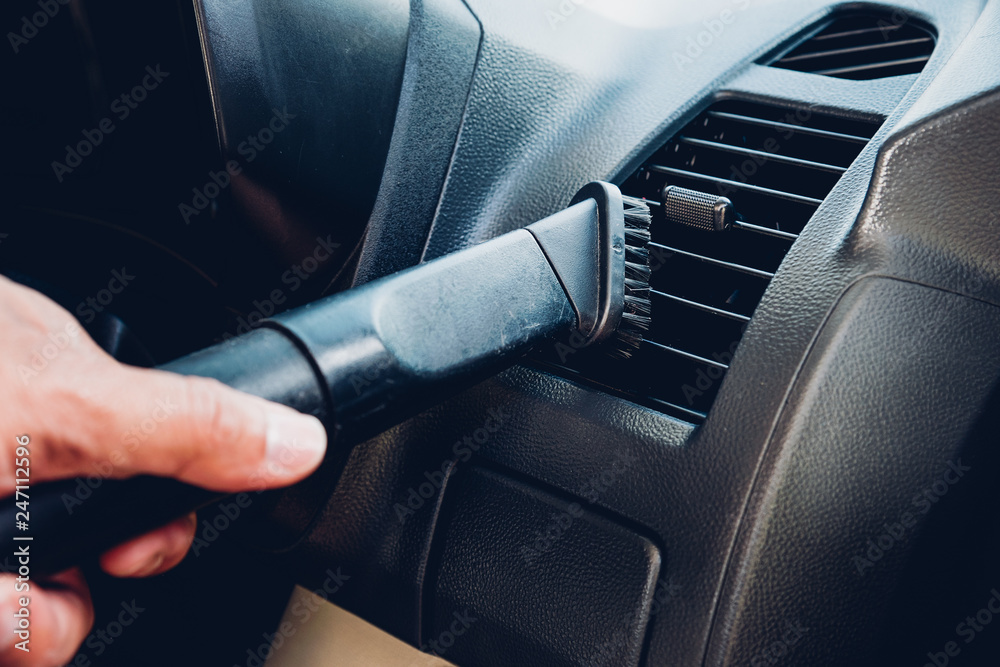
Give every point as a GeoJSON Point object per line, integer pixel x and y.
{"type": "Point", "coordinates": [710, 213]}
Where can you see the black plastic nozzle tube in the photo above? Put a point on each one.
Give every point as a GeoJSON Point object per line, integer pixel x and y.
{"type": "Point", "coordinates": [365, 360]}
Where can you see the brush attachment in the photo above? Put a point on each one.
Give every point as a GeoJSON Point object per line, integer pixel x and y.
{"type": "Point", "coordinates": [366, 359]}
{"type": "Point", "coordinates": [635, 320]}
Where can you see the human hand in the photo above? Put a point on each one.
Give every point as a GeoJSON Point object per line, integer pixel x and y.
{"type": "Point", "coordinates": [81, 409]}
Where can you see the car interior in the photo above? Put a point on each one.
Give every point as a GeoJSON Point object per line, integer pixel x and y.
{"type": "Point", "coordinates": [796, 466]}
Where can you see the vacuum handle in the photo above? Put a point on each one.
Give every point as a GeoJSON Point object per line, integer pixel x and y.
{"type": "Point", "coordinates": [378, 353]}
{"type": "Point", "coordinates": [71, 521]}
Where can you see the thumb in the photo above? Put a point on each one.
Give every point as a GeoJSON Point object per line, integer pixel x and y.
{"type": "Point", "coordinates": [131, 421]}
{"type": "Point", "coordinates": [54, 618]}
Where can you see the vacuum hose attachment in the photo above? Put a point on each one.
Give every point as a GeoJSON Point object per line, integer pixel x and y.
{"type": "Point", "coordinates": [364, 360]}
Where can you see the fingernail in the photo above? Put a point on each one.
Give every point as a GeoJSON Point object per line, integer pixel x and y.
{"type": "Point", "coordinates": [296, 443]}
{"type": "Point", "coordinates": [145, 567]}
{"type": "Point", "coordinates": [149, 567]}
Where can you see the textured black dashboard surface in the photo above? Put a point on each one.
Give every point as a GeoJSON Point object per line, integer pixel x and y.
{"type": "Point", "coordinates": [304, 97]}
{"type": "Point", "coordinates": [548, 557]}
{"type": "Point", "coordinates": [529, 100]}
{"type": "Point", "coordinates": [927, 219]}
{"type": "Point", "coordinates": [443, 48]}
{"type": "Point", "coordinates": [882, 414]}
{"type": "Point", "coordinates": [562, 95]}
{"type": "Point", "coordinates": [553, 106]}
{"type": "Point", "coordinates": [864, 373]}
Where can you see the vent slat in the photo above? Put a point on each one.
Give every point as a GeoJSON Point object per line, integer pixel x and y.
{"type": "Point", "coordinates": [705, 286]}
{"type": "Point", "coordinates": [767, 231]}
{"type": "Point", "coordinates": [788, 196]}
{"type": "Point", "coordinates": [687, 355]}
{"type": "Point", "coordinates": [702, 307]}
{"type": "Point", "coordinates": [778, 125]}
{"type": "Point", "coordinates": [862, 47]}
{"type": "Point", "coordinates": [749, 152]}
{"type": "Point", "coordinates": [874, 66]}
{"type": "Point", "coordinates": [750, 271]}
{"type": "Point", "coordinates": [854, 33]}
{"type": "Point", "coordinates": [744, 226]}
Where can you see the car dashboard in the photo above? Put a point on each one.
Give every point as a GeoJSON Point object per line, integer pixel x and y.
{"type": "Point", "coordinates": [796, 467]}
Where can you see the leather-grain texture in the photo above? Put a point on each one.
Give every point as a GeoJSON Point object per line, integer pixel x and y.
{"type": "Point", "coordinates": [509, 558]}
{"type": "Point", "coordinates": [882, 410]}
{"type": "Point", "coordinates": [440, 61]}
{"type": "Point", "coordinates": [552, 108]}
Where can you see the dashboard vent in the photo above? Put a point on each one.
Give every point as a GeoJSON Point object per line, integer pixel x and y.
{"type": "Point", "coordinates": [863, 47]}
{"type": "Point", "coordinates": [775, 165]}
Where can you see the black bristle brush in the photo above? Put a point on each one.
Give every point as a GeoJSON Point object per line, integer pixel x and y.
{"type": "Point", "coordinates": [638, 307]}
{"type": "Point", "coordinates": [364, 360]}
